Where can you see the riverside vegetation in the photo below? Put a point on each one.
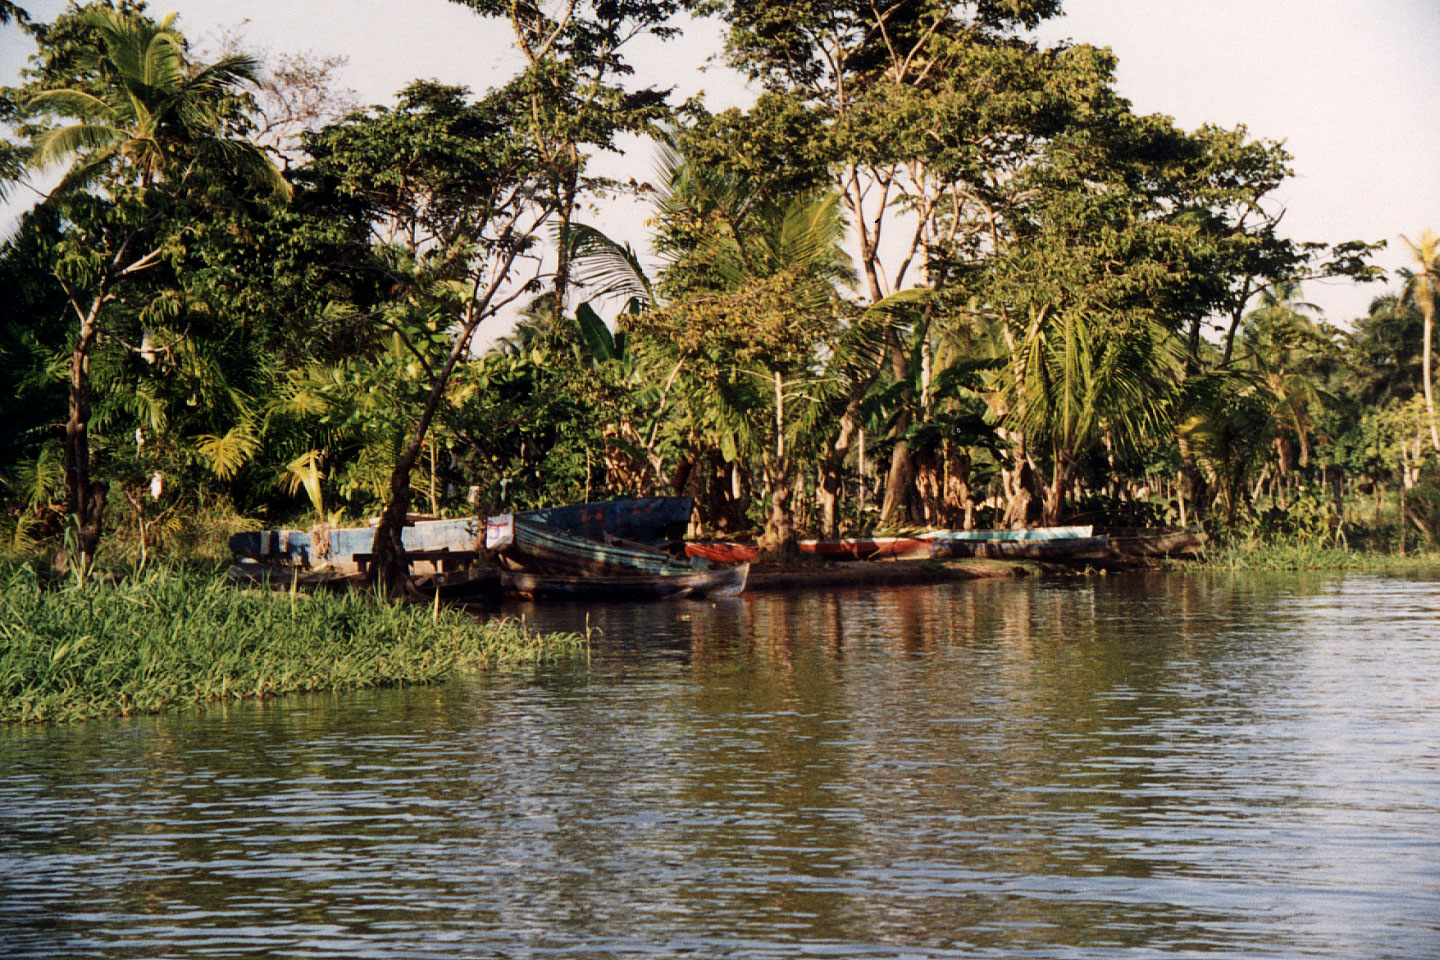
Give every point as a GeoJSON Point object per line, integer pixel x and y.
{"type": "Point", "coordinates": [171, 637]}
{"type": "Point", "coordinates": [252, 298]}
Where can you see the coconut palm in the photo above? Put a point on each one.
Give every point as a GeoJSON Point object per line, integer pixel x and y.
{"type": "Point", "coordinates": [1421, 287]}
{"type": "Point", "coordinates": [145, 118]}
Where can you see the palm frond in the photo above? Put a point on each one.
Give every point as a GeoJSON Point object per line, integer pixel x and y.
{"type": "Point", "coordinates": [304, 472]}
{"type": "Point", "coordinates": [607, 268]}
{"type": "Point", "coordinates": [52, 146]}
{"type": "Point", "coordinates": [225, 455]}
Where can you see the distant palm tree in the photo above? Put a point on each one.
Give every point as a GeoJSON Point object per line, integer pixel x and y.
{"type": "Point", "coordinates": [1421, 288]}
{"type": "Point", "coordinates": [149, 118]}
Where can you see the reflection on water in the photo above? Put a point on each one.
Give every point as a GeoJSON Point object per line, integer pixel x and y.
{"type": "Point", "coordinates": [1179, 765]}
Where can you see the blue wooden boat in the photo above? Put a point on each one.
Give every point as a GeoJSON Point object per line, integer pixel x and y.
{"type": "Point", "coordinates": [717, 582]}
{"type": "Point", "coordinates": [335, 548]}
{"type": "Point", "coordinates": [651, 519]}
{"type": "Point", "coordinates": [535, 547]}
{"type": "Point", "coordinates": [646, 519]}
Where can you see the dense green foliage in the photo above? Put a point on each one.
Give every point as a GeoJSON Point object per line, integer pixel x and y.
{"type": "Point", "coordinates": [168, 638]}
{"type": "Point", "coordinates": [936, 274]}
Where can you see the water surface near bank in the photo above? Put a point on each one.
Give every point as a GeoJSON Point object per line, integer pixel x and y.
{"type": "Point", "coordinates": [1180, 765]}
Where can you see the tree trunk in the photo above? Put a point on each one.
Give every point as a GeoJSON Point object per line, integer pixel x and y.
{"type": "Point", "coordinates": [959, 503]}
{"type": "Point", "coordinates": [1054, 505]}
{"type": "Point", "coordinates": [779, 535]}
{"type": "Point", "coordinates": [565, 204]}
{"type": "Point", "coordinates": [680, 478]}
{"type": "Point", "coordinates": [831, 480]}
{"type": "Point", "coordinates": [1016, 484]}
{"type": "Point", "coordinates": [1429, 393]}
{"type": "Point", "coordinates": [929, 486]}
{"type": "Point", "coordinates": [1193, 486]}
{"type": "Point", "coordinates": [84, 499]}
{"type": "Point", "coordinates": [389, 568]}
{"type": "Point", "coordinates": [902, 471]}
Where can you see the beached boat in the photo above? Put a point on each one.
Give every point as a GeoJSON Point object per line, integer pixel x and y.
{"type": "Point", "coordinates": [346, 549]}
{"type": "Point", "coordinates": [715, 582]}
{"type": "Point", "coordinates": [645, 519]}
{"type": "Point", "coordinates": [1034, 533]}
{"type": "Point", "coordinates": [1132, 543]}
{"type": "Point", "coordinates": [1066, 550]}
{"type": "Point", "coordinates": [336, 548]}
{"type": "Point", "coordinates": [868, 548]}
{"type": "Point", "coordinates": [538, 548]}
{"type": "Point", "coordinates": [718, 551]}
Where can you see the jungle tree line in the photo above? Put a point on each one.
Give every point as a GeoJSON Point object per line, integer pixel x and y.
{"type": "Point", "coordinates": [935, 274]}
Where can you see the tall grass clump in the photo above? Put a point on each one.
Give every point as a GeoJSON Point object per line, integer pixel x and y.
{"type": "Point", "coordinates": [171, 637]}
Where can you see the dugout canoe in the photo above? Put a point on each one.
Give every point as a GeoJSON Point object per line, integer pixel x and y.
{"type": "Point", "coordinates": [537, 548]}
{"type": "Point", "coordinates": [1132, 543]}
{"type": "Point", "coordinates": [1069, 549]}
{"type": "Point", "coordinates": [716, 582]}
{"type": "Point", "coordinates": [867, 548]}
{"type": "Point", "coordinates": [1034, 533]}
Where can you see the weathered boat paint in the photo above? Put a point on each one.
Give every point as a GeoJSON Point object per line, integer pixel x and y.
{"type": "Point", "coordinates": [337, 551]}
{"type": "Point", "coordinates": [722, 552]}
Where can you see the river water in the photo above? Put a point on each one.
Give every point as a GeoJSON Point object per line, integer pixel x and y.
{"type": "Point", "coordinates": [1169, 765]}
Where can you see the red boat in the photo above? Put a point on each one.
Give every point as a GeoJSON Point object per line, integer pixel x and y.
{"type": "Point", "coordinates": [722, 552]}
{"type": "Point", "coordinates": [872, 548]}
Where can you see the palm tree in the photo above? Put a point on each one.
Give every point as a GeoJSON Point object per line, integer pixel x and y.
{"type": "Point", "coordinates": [147, 119]}
{"type": "Point", "coordinates": [1421, 288]}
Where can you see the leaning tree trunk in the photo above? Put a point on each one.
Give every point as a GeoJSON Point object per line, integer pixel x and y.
{"type": "Point", "coordinates": [902, 472]}
{"type": "Point", "coordinates": [1429, 392]}
{"type": "Point", "coordinates": [389, 568]}
{"type": "Point", "coordinates": [85, 499]}
{"type": "Point", "coordinates": [831, 481]}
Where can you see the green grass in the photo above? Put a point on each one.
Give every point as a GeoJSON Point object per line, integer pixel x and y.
{"type": "Point", "coordinates": [1298, 555]}
{"type": "Point", "coordinates": [174, 637]}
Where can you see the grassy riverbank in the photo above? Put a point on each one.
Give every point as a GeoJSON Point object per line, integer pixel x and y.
{"type": "Point", "coordinates": [1296, 555]}
{"type": "Point", "coordinates": [173, 637]}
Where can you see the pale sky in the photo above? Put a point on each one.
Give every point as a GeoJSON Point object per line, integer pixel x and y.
{"type": "Point", "coordinates": [1351, 87]}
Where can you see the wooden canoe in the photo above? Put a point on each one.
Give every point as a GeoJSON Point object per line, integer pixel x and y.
{"type": "Point", "coordinates": [1142, 542]}
{"type": "Point", "coordinates": [1034, 533]}
{"type": "Point", "coordinates": [646, 519]}
{"type": "Point", "coordinates": [537, 548]}
{"type": "Point", "coordinates": [717, 582]}
{"type": "Point", "coordinates": [1061, 551]}
{"type": "Point", "coordinates": [722, 552]}
{"type": "Point", "coordinates": [869, 548]}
